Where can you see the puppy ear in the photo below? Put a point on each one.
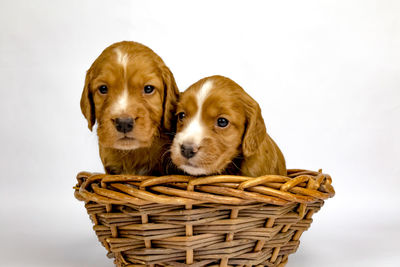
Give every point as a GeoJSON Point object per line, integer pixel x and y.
{"type": "Point", "coordinates": [87, 104]}
{"type": "Point", "coordinates": [171, 94]}
{"type": "Point", "coordinates": [255, 132]}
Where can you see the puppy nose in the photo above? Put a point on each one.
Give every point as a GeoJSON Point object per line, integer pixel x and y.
{"type": "Point", "coordinates": [124, 125]}
{"type": "Point", "coordinates": [188, 150]}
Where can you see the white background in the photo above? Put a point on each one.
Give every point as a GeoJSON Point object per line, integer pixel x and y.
{"type": "Point", "coordinates": [326, 74]}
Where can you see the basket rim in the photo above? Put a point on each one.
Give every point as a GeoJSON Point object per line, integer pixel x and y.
{"type": "Point", "coordinates": [299, 186]}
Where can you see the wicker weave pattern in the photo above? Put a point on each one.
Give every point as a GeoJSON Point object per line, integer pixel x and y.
{"type": "Point", "coordinates": [186, 221]}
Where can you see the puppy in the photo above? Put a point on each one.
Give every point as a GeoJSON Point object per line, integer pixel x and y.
{"type": "Point", "coordinates": [132, 96]}
{"type": "Point", "coordinates": [220, 130]}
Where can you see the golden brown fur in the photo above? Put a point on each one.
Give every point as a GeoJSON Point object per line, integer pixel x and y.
{"type": "Point", "coordinates": [125, 68]}
{"type": "Point", "coordinates": [243, 147]}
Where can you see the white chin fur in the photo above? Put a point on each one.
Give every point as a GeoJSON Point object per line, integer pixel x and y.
{"type": "Point", "coordinates": [126, 145]}
{"type": "Point", "coordinates": [193, 170]}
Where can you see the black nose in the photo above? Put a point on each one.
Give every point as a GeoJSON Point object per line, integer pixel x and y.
{"type": "Point", "coordinates": [124, 125]}
{"type": "Point", "coordinates": [188, 151]}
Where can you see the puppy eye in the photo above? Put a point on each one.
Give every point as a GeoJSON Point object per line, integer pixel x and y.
{"type": "Point", "coordinates": [222, 122]}
{"type": "Point", "coordinates": [103, 89]}
{"type": "Point", "coordinates": [181, 115]}
{"type": "Point", "coordinates": [148, 89]}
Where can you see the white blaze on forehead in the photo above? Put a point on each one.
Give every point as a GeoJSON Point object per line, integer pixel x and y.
{"type": "Point", "coordinates": [122, 58]}
{"type": "Point", "coordinates": [203, 92]}
{"type": "Point", "coordinates": [122, 103]}
{"type": "Point", "coordinates": [194, 132]}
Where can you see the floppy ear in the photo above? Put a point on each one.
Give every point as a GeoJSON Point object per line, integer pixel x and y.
{"type": "Point", "coordinates": [87, 104]}
{"type": "Point", "coordinates": [255, 132]}
{"type": "Point", "coordinates": [171, 94]}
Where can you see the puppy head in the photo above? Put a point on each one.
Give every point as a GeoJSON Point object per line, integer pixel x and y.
{"type": "Point", "coordinates": [217, 121]}
{"type": "Point", "coordinates": [131, 94]}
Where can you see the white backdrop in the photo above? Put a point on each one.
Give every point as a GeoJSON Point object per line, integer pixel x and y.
{"type": "Point", "coordinates": [326, 74]}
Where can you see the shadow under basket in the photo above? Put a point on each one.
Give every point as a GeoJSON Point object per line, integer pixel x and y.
{"type": "Point", "coordinates": [222, 220]}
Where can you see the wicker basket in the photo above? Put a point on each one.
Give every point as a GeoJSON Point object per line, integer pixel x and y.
{"type": "Point", "coordinates": [219, 220]}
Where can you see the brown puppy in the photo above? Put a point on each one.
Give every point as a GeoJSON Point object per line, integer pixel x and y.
{"type": "Point", "coordinates": [132, 95]}
{"type": "Point", "coordinates": [220, 130]}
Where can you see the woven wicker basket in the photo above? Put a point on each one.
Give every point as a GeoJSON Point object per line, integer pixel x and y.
{"type": "Point", "coordinates": [210, 221]}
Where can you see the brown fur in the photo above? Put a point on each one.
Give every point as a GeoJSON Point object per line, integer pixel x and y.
{"type": "Point", "coordinates": [243, 147]}
{"type": "Point", "coordinates": [143, 150]}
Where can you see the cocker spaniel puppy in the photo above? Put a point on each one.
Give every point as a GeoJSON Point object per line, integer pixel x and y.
{"type": "Point", "coordinates": [132, 96]}
{"type": "Point", "coordinates": [220, 130]}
